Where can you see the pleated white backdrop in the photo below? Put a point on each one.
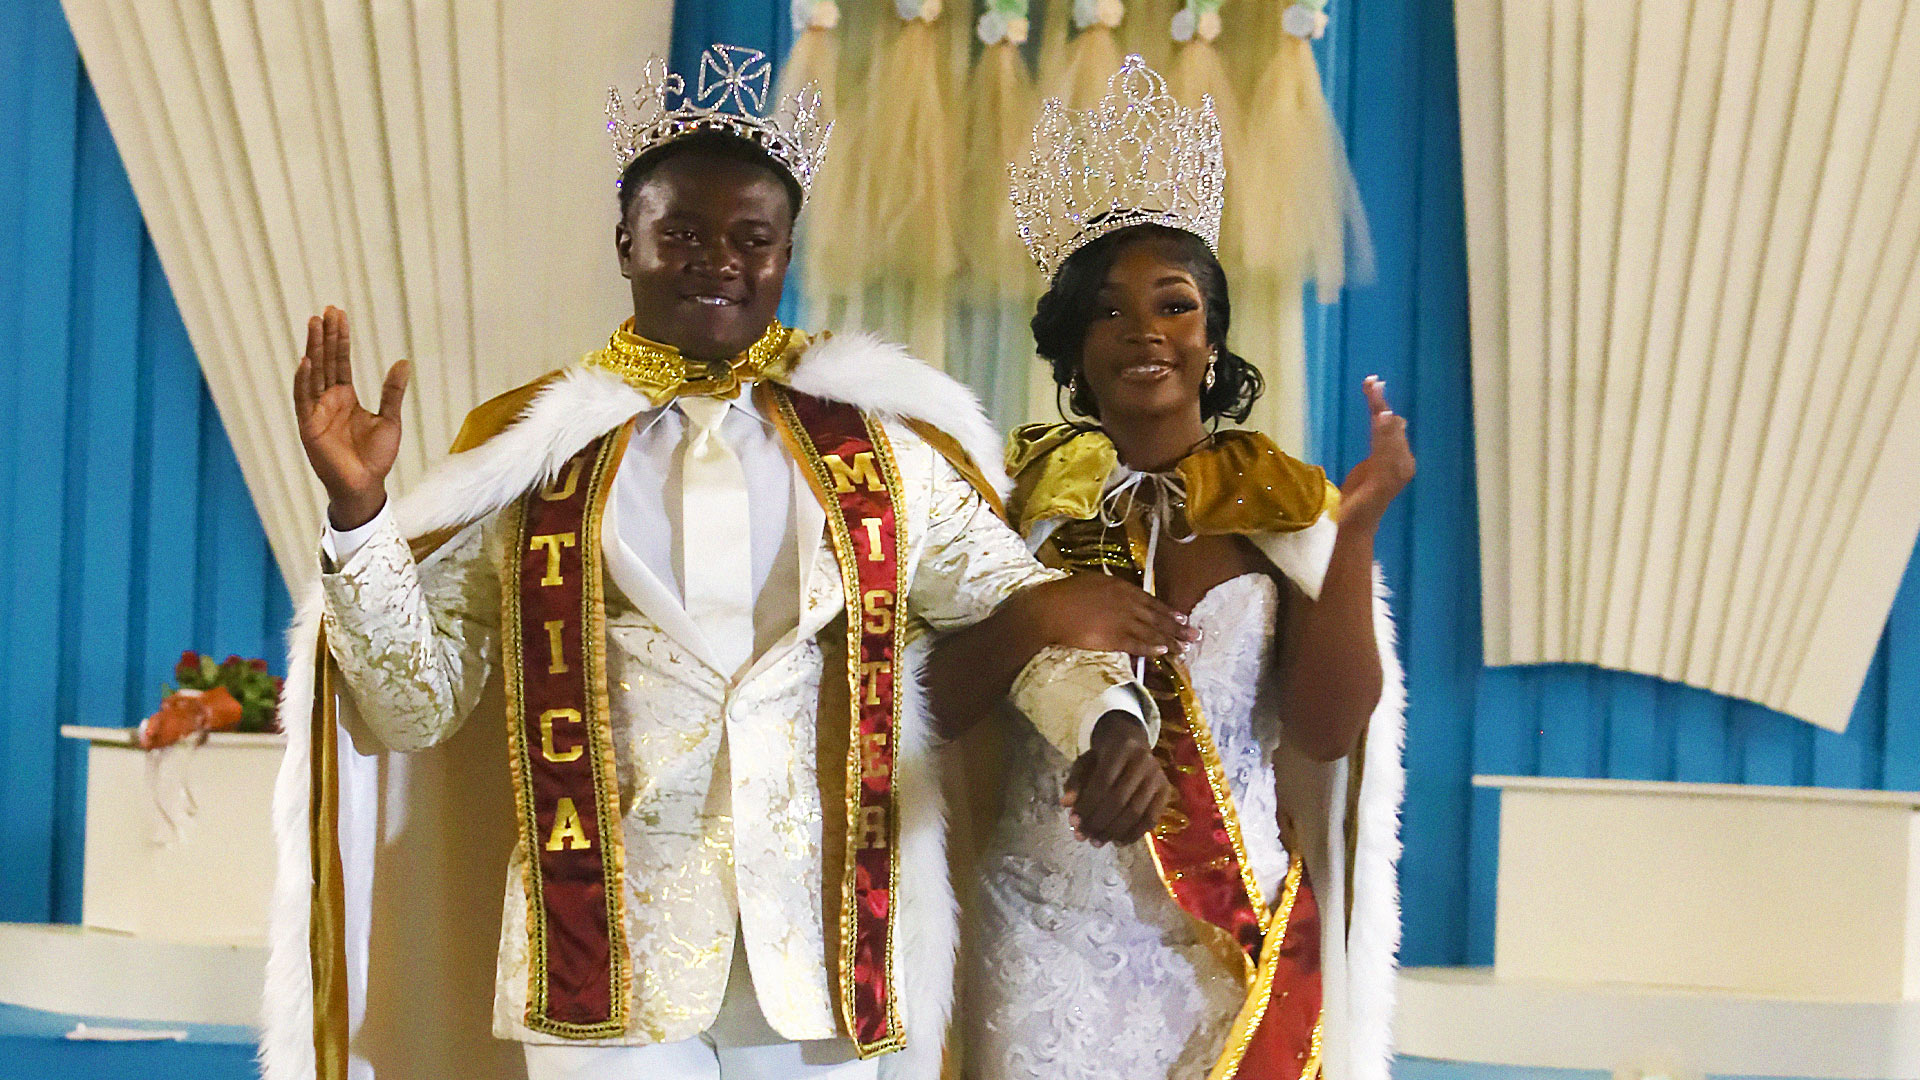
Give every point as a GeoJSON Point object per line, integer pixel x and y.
{"type": "Point", "coordinates": [433, 166]}
{"type": "Point", "coordinates": [1692, 228]}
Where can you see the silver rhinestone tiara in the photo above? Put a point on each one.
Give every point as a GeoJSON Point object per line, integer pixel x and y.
{"type": "Point", "coordinates": [1136, 158]}
{"type": "Point", "coordinates": [731, 98]}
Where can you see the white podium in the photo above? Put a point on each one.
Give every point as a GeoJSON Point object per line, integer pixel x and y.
{"type": "Point", "coordinates": [1658, 929]}
{"type": "Point", "coordinates": [174, 903]}
{"type": "Point", "coordinates": [1801, 892]}
{"type": "Point", "coordinates": [180, 841]}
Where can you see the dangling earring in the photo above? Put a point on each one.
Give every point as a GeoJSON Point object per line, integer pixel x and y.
{"type": "Point", "coordinates": [1206, 384]}
{"type": "Point", "coordinates": [1073, 385]}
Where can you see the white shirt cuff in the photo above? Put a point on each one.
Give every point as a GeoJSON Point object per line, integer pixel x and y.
{"type": "Point", "coordinates": [339, 546]}
{"type": "Point", "coordinates": [1129, 698]}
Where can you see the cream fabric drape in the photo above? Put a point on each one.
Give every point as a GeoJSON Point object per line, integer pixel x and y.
{"type": "Point", "coordinates": [438, 168]}
{"type": "Point", "coordinates": [1692, 228]}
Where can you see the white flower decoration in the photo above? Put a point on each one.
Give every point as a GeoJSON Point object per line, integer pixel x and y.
{"type": "Point", "coordinates": [1107, 13]}
{"type": "Point", "coordinates": [826, 15]}
{"type": "Point", "coordinates": [1183, 25]}
{"type": "Point", "coordinates": [924, 10]}
{"type": "Point", "coordinates": [992, 27]}
{"type": "Point", "coordinates": [1304, 22]}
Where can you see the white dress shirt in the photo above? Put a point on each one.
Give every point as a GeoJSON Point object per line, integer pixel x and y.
{"type": "Point", "coordinates": [647, 522]}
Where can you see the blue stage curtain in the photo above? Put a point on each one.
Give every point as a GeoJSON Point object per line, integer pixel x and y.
{"type": "Point", "coordinates": [756, 24]}
{"type": "Point", "coordinates": [130, 533]}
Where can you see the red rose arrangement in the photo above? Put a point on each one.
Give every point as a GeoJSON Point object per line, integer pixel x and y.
{"type": "Point", "coordinates": [233, 695]}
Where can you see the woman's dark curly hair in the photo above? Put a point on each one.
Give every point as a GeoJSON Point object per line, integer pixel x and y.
{"type": "Point", "coordinates": [1061, 318]}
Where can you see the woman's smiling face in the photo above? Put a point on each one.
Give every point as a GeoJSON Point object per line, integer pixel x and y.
{"type": "Point", "coordinates": [1146, 350]}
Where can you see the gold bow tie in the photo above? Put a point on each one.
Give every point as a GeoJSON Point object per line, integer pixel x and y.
{"type": "Point", "coordinates": [661, 373]}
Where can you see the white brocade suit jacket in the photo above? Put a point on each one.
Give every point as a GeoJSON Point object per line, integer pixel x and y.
{"type": "Point", "coordinates": [720, 793]}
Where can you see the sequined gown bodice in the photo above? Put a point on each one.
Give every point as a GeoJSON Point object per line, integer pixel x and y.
{"type": "Point", "coordinates": [1083, 968]}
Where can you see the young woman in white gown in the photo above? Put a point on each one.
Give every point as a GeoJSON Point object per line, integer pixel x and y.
{"type": "Point", "coordinates": [1082, 965]}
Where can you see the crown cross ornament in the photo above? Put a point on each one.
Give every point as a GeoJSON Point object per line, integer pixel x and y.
{"type": "Point", "coordinates": [731, 73]}
{"type": "Point", "coordinates": [1137, 157]}
{"type": "Point", "coordinates": [730, 97]}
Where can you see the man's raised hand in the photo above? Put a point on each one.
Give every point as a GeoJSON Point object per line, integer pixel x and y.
{"type": "Point", "coordinates": [351, 450]}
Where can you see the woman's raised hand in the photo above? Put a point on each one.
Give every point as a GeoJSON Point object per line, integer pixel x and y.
{"type": "Point", "coordinates": [1388, 466]}
{"type": "Point", "coordinates": [351, 450]}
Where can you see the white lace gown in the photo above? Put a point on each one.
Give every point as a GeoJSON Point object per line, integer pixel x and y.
{"type": "Point", "coordinates": [1082, 967]}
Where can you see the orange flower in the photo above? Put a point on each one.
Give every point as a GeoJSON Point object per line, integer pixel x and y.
{"type": "Point", "coordinates": [189, 712]}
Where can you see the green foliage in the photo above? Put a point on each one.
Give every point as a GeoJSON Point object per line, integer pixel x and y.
{"type": "Point", "coordinates": [257, 691]}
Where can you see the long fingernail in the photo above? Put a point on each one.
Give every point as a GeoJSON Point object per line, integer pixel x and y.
{"type": "Point", "coordinates": [1159, 650]}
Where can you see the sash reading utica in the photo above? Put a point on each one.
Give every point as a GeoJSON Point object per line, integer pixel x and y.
{"type": "Point", "coordinates": [560, 746]}
{"type": "Point", "coordinates": [1201, 858]}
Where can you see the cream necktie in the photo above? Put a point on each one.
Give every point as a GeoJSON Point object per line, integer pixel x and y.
{"type": "Point", "coordinates": [715, 536]}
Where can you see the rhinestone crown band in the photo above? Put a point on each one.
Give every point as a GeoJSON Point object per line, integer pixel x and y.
{"type": "Point", "coordinates": [1136, 158]}
{"type": "Point", "coordinates": [730, 98]}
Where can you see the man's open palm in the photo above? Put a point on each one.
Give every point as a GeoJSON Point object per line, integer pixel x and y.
{"type": "Point", "coordinates": [351, 450]}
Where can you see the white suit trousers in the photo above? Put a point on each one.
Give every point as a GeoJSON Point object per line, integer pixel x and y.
{"type": "Point", "coordinates": [739, 1046]}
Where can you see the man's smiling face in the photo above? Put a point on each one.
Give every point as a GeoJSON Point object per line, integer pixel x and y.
{"type": "Point", "coordinates": [705, 244]}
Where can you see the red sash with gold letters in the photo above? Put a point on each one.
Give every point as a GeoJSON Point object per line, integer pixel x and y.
{"type": "Point", "coordinates": [553, 638]}
{"type": "Point", "coordinates": [851, 468]}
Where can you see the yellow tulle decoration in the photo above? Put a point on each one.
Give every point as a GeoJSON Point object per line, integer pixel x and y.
{"type": "Point", "coordinates": [815, 59]}
{"type": "Point", "coordinates": [1056, 27]}
{"type": "Point", "coordinates": [1093, 55]}
{"type": "Point", "coordinates": [1001, 108]}
{"type": "Point", "coordinates": [909, 188]}
{"type": "Point", "coordinates": [1291, 195]}
{"type": "Point", "coordinates": [1144, 30]}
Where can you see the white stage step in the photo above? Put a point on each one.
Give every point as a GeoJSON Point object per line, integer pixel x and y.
{"type": "Point", "coordinates": [1467, 1015]}
{"type": "Point", "coordinates": [74, 969]}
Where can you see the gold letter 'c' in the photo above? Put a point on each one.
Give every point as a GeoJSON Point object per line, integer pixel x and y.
{"type": "Point", "coordinates": [547, 749]}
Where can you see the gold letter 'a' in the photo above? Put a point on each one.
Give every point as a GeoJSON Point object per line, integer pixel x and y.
{"type": "Point", "coordinates": [568, 829]}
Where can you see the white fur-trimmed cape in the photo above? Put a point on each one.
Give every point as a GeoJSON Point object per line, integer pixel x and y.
{"type": "Point", "coordinates": [1359, 952]}
{"type": "Point", "coordinates": [577, 406]}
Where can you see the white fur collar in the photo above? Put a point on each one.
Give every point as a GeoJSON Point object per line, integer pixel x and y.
{"type": "Point", "coordinates": [882, 379]}
{"type": "Point", "coordinates": [584, 403]}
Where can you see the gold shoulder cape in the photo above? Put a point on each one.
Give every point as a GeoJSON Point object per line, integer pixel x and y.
{"type": "Point", "coordinates": [1238, 483]}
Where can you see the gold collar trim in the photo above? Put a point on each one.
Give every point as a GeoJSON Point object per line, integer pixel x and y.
{"type": "Point", "coordinates": [661, 373]}
{"type": "Point", "coordinates": [1237, 482]}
